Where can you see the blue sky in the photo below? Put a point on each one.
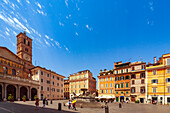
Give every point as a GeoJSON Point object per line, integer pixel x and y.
{"type": "Point", "coordinates": [74, 35]}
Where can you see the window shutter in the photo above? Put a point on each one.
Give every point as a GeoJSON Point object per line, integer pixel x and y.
{"type": "Point", "coordinates": [166, 79]}
{"type": "Point", "coordinates": [157, 81]}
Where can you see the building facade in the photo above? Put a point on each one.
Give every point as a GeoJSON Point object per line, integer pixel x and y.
{"type": "Point", "coordinates": [51, 83]}
{"type": "Point", "coordinates": [106, 85]}
{"type": "Point", "coordinates": [15, 76]}
{"type": "Point", "coordinates": [158, 80]}
{"type": "Point", "coordinates": [138, 82]}
{"type": "Point", "coordinates": [122, 81]}
{"type": "Point", "coordinates": [66, 89]}
{"type": "Point", "coordinates": [81, 81]}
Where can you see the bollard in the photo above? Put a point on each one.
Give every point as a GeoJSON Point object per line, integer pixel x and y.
{"type": "Point", "coordinates": [59, 106]}
{"type": "Point", "coordinates": [51, 102]}
{"type": "Point", "coordinates": [120, 105]}
{"type": "Point", "coordinates": [106, 109]}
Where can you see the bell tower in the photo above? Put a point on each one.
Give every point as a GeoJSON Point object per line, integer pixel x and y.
{"type": "Point", "coordinates": [24, 50]}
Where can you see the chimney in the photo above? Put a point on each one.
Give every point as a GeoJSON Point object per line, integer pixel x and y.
{"type": "Point", "coordinates": [105, 70]}
{"type": "Point", "coordinates": [100, 70]}
{"type": "Point", "coordinates": [154, 60]}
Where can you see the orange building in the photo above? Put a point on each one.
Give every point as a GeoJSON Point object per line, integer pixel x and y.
{"type": "Point", "coordinates": [82, 80]}
{"type": "Point", "coordinates": [122, 81]}
{"type": "Point", "coordinates": [106, 85]}
{"type": "Point", "coordinates": [51, 83]}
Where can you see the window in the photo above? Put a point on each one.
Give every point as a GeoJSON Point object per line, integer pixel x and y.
{"type": "Point", "coordinates": [101, 85]}
{"type": "Point", "coordinates": [133, 76]}
{"type": "Point", "coordinates": [127, 84]}
{"type": "Point", "coordinates": [71, 78]}
{"type": "Point", "coordinates": [61, 79]}
{"type": "Point", "coordinates": [168, 89]}
{"type": "Point", "coordinates": [53, 76]}
{"type": "Point", "coordinates": [102, 91]}
{"type": "Point", "coordinates": [24, 41]}
{"type": "Point", "coordinates": [154, 89]}
{"type": "Point", "coordinates": [133, 81]}
{"type": "Point", "coordinates": [154, 72]}
{"type": "Point", "coordinates": [106, 91]}
{"type": "Point", "coordinates": [58, 78]}
{"type": "Point", "coordinates": [127, 77]}
{"type": "Point", "coordinates": [84, 86]}
{"type": "Point", "coordinates": [111, 91]}
{"type": "Point", "coordinates": [53, 83]}
{"type": "Point", "coordinates": [71, 91]}
{"type": "Point", "coordinates": [168, 70]}
{"type": "Point", "coordinates": [71, 82]}
{"type": "Point", "coordinates": [143, 66]}
{"type": "Point", "coordinates": [111, 78]}
{"type": "Point", "coordinates": [79, 81]}
{"type": "Point", "coordinates": [75, 86]}
{"type": "Point", "coordinates": [117, 78]}
{"type": "Point", "coordinates": [41, 88]}
{"type": "Point", "coordinates": [13, 72]}
{"type": "Point", "coordinates": [84, 81]}
{"type": "Point", "coordinates": [121, 85]}
{"type": "Point", "coordinates": [42, 80]}
{"type": "Point", "coordinates": [101, 79]}
{"type": "Point", "coordinates": [84, 76]}
{"type": "Point", "coordinates": [168, 100]}
{"type": "Point", "coordinates": [106, 85]}
{"type": "Point", "coordinates": [41, 72]}
{"type": "Point", "coordinates": [167, 79]}
{"type": "Point", "coordinates": [75, 77]}
{"type": "Point", "coordinates": [48, 88]}
{"type": "Point", "coordinates": [122, 92]}
{"type": "Point", "coordinates": [133, 90]}
{"type": "Point", "coordinates": [79, 91]}
{"type": "Point", "coordinates": [111, 84]}
{"type": "Point", "coordinates": [48, 82]}
{"type": "Point", "coordinates": [37, 73]}
{"type": "Point", "coordinates": [61, 91]}
{"type": "Point", "coordinates": [122, 71]}
{"type": "Point", "coordinates": [53, 95]}
{"type": "Point", "coordinates": [106, 78]}
{"type": "Point", "coordinates": [133, 68]}
{"type": "Point", "coordinates": [61, 85]}
{"type": "Point", "coordinates": [142, 81]}
{"type": "Point", "coordinates": [142, 75]}
{"type": "Point", "coordinates": [117, 72]}
{"type": "Point", "coordinates": [28, 43]}
{"type": "Point", "coordinates": [117, 92]}
{"type": "Point", "coordinates": [79, 86]}
{"type": "Point", "coordinates": [117, 86]}
{"type": "Point", "coordinates": [155, 81]}
{"type": "Point", "coordinates": [75, 82]}
{"type": "Point", "coordinates": [79, 76]}
{"type": "Point", "coordinates": [168, 61]}
{"type": "Point", "coordinates": [122, 78]}
{"type": "Point", "coordinates": [127, 92]}
{"type": "Point", "coordinates": [126, 70]}
{"type": "Point", "coordinates": [142, 89]}
{"type": "Point", "coordinates": [58, 90]}
{"type": "Point", "coordinates": [48, 75]}
{"type": "Point", "coordinates": [57, 84]}
{"type": "Point", "coordinates": [71, 86]}
{"type": "Point", "coordinates": [48, 95]}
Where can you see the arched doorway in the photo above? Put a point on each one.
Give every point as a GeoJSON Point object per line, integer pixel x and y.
{"type": "Point", "coordinates": [11, 90]}
{"type": "Point", "coordinates": [33, 93]}
{"type": "Point", "coordinates": [23, 91]}
{"type": "Point", "coordinates": [0, 93]}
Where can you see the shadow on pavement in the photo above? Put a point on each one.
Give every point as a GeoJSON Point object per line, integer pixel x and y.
{"type": "Point", "coordinates": [6, 107]}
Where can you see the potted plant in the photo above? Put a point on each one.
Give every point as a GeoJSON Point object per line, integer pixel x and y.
{"type": "Point", "coordinates": [10, 98]}
{"type": "Point", "coordinates": [24, 98]}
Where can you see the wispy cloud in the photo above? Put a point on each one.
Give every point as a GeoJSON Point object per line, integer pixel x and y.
{"type": "Point", "coordinates": [47, 37]}
{"type": "Point", "coordinates": [57, 44]}
{"type": "Point", "coordinates": [47, 43]}
{"type": "Point", "coordinates": [66, 2]}
{"type": "Point", "coordinates": [89, 28]}
{"type": "Point", "coordinates": [66, 48]}
{"type": "Point", "coordinates": [61, 24]}
{"type": "Point", "coordinates": [38, 4]}
{"type": "Point", "coordinates": [76, 34]}
{"type": "Point", "coordinates": [41, 12]}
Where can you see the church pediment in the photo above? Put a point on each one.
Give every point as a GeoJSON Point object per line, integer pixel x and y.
{"type": "Point", "coordinates": [6, 53]}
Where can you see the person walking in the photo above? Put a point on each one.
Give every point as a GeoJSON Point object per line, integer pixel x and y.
{"type": "Point", "coordinates": [36, 103]}
{"type": "Point", "coordinates": [44, 100]}
{"type": "Point", "coordinates": [69, 104]}
{"type": "Point", "coordinates": [74, 105]}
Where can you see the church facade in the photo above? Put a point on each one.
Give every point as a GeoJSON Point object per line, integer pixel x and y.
{"type": "Point", "coordinates": [15, 71]}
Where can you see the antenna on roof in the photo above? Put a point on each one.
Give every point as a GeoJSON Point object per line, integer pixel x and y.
{"type": "Point", "coordinates": [129, 59]}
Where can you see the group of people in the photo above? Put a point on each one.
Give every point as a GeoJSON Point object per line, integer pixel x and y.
{"type": "Point", "coordinates": [72, 104]}
{"type": "Point", "coordinates": [45, 102]}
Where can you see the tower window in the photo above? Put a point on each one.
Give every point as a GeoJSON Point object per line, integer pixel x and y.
{"type": "Point", "coordinates": [26, 49]}
{"type": "Point", "coordinates": [24, 41]}
{"type": "Point", "coordinates": [28, 43]}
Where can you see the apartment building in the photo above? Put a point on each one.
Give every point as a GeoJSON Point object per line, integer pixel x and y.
{"type": "Point", "coordinates": [106, 85]}
{"type": "Point", "coordinates": [66, 89]}
{"type": "Point", "coordinates": [81, 81]}
{"type": "Point", "coordinates": [138, 82]}
{"type": "Point", "coordinates": [122, 81]}
{"type": "Point", "coordinates": [158, 80]}
{"type": "Point", "coordinates": [51, 83]}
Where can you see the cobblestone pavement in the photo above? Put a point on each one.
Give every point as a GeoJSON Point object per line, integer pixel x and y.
{"type": "Point", "coordinates": [29, 107]}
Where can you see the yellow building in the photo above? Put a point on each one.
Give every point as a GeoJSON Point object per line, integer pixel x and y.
{"type": "Point", "coordinates": [106, 85]}
{"type": "Point", "coordinates": [158, 80]}
{"type": "Point", "coordinates": [81, 81]}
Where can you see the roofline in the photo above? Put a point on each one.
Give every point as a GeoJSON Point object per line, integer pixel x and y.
{"type": "Point", "coordinates": [23, 34]}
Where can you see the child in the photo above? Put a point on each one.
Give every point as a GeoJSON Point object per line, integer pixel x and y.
{"type": "Point", "coordinates": [37, 103]}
